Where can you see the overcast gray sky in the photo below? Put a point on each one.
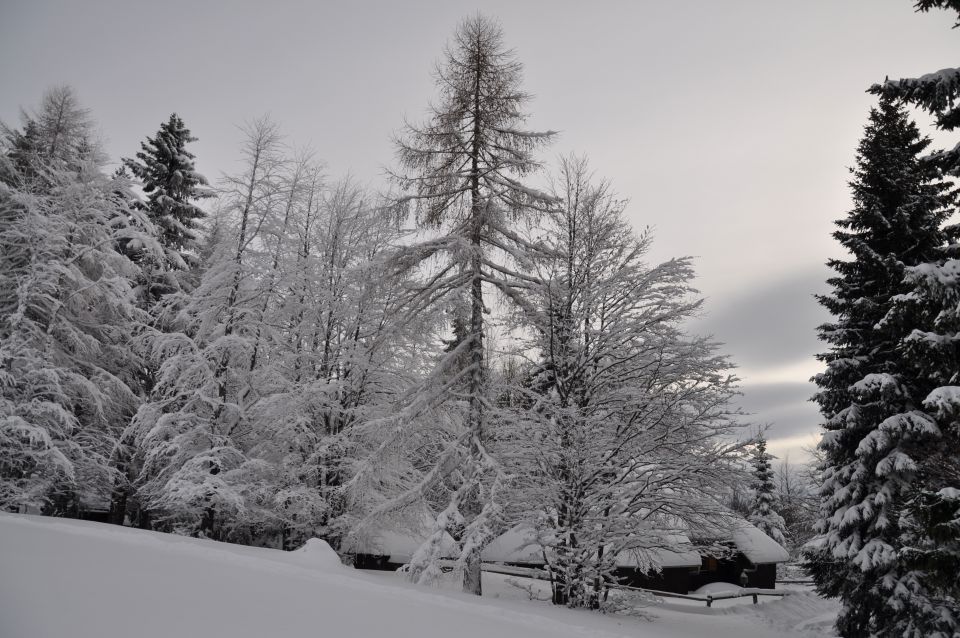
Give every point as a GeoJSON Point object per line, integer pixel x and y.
{"type": "Point", "coordinates": [727, 124]}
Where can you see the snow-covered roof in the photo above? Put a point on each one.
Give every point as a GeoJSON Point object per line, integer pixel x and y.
{"type": "Point", "coordinates": [400, 546]}
{"type": "Point", "coordinates": [684, 555]}
{"type": "Point", "coordinates": [746, 537]}
{"type": "Point", "coordinates": [516, 545]}
{"type": "Point", "coordinates": [519, 545]}
{"type": "Point", "coordinates": [401, 541]}
{"type": "Point", "coordinates": [757, 546]}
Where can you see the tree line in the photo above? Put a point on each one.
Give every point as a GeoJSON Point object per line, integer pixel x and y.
{"type": "Point", "coordinates": [285, 355]}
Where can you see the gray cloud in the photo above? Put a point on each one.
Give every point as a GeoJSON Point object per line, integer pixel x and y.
{"type": "Point", "coordinates": [774, 324]}
{"type": "Point", "coordinates": [784, 406]}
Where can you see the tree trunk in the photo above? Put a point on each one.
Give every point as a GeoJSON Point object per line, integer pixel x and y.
{"type": "Point", "coordinates": [472, 574]}
{"type": "Point", "coordinates": [118, 502]}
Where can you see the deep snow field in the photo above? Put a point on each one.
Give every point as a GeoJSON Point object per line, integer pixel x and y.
{"type": "Point", "coordinates": [74, 579]}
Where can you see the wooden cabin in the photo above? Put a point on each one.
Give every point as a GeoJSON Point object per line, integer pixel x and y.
{"type": "Point", "coordinates": [722, 555]}
{"type": "Point", "coordinates": [717, 555]}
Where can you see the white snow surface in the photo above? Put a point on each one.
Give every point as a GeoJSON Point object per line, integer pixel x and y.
{"type": "Point", "coordinates": [77, 579]}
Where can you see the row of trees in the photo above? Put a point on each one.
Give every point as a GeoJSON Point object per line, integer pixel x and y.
{"type": "Point", "coordinates": [888, 540]}
{"type": "Point", "coordinates": [312, 359]}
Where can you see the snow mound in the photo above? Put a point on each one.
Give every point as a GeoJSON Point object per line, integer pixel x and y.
{"type": "Point", "coordinates": [717, 588]}
{"type": "Point", "coordinates": [317, 553]}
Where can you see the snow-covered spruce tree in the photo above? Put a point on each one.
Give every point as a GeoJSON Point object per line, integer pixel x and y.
{"type": "Point", "coordinates": [66, 371]}
{"type": "Point", "coordinates": [626, 440]}
{"type": "Point", "coordinates": [165, 169]}
{"type": "Point", "coordinates": [763, 512]}
{"type": "Point", "coordinates": [876, 432]}
{"type": "Point", "coordinates": [462, 170]}
{"type": "Point", "coordinates": [925, 591]}
{"type": "Point", "coordinates": [922, 584]}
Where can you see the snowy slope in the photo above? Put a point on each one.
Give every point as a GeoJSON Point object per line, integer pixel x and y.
{"type": "Point", "coordinates": [74, 579]}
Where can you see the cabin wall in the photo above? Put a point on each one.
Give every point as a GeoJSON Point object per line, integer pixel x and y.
{"type": "Point", "coordinates": [728, 570]}
{"type": "Point", "coordinates": [765, 576]}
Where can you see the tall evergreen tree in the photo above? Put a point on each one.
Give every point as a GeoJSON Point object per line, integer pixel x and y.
{"type": "Point", "coordinates": [926, 589]}
{"type": "Point", "coordinates": [165, 169]}
{"type": "Point", "coordinates": [870, 398]}
{"type": "Point", "coordinates": [763, 512]}
{"type": "Point", "coordinates": [462, 171]}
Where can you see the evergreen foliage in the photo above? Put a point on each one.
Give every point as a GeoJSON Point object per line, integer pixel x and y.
{"type": "Point", "coordinates": [927, 5]}
{"type": "Point", "coordinates": [763, 510]}
{"type": "Point", "coordinates": [927, 590]}
{"type": "Point", "coordinates": [165, 169]}
{"type": "Point", "coordinates": [877, 437]}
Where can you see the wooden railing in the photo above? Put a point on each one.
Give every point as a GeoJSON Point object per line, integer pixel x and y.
{"type": "Point", "coordinates": [743, 592]}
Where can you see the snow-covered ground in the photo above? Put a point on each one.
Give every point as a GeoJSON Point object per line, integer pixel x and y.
{"type": "Point", "coordinates": [73, 579]}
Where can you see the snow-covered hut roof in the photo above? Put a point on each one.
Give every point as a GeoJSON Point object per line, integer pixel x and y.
{"type": "Point", "coordinates": [746, 537]}
{"type": "Point", "coordinates": [681, 555]}
{"type": "Point", "coordinates": [519, 545]}
{"type": "Point", "coordinates": [757, 546]}
{"type": "Point", "coordinates": [401, 542]}
{"type": "Point", "coordinates": [400, 546]}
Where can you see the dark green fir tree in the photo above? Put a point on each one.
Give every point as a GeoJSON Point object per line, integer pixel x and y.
{"type": "Point", "coordinates": [172, 185]}
{"type": "Point", "coordinates": [763, 510]}
{"type": "Point", "coordinates": [876, 434]}
{"type": "Point", "coordinates": [926, 587]}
